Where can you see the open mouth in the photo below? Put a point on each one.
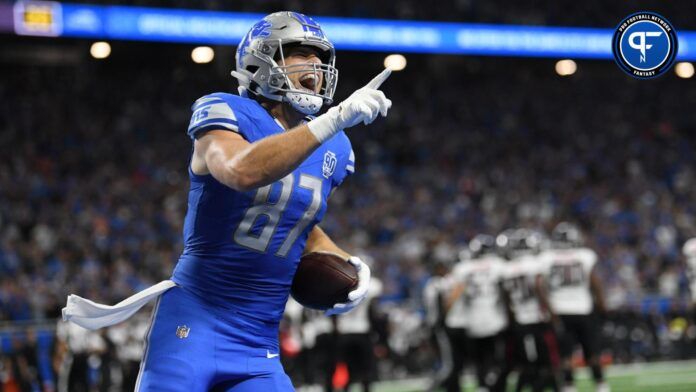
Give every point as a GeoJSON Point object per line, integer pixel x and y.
{"type": "Point", "coordinates": [309, 82]}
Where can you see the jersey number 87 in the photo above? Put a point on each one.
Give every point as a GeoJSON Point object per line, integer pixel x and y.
{"type": "Point", "coordinates": [274, 211]}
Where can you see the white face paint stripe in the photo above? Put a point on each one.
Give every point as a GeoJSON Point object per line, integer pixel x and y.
{"type": "Point", "coordinates": [147, 345]}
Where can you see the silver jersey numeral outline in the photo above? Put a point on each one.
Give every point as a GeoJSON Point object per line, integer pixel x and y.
{"type": "Point", "coordinates": [274, 212]}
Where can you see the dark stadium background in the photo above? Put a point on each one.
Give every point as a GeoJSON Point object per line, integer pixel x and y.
{"type": "Point", "coordinates": [93, 172]}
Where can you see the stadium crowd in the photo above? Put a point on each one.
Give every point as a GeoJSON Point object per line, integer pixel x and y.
{"type": "Point", "coordinates": [93, 180]}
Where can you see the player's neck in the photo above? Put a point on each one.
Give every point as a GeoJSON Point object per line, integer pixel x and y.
{"type": "Point", "coordinates": [285, 114]}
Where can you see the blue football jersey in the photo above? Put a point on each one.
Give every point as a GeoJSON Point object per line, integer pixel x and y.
{"type": "Point", "coordinates": [241, 249]}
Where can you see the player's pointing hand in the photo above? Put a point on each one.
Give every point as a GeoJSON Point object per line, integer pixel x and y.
{"type": "Point", "coordinates": [364, 105]}
{"type": "Point", "coordinates": [377, 81]}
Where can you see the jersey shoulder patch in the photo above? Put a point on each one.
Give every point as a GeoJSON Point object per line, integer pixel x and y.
{"type": "Point", "coordinates": [213, 111]}
{"type": "Point", "coordinates": [338, 159]}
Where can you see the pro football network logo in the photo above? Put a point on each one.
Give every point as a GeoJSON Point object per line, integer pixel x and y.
{"type": "Point", "coordinates": [645, 45]}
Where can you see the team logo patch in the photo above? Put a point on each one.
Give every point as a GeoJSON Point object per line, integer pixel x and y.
{"type": "Point", "coordinates": [329, 166]}
{"type": "Point", "coordinates": [260, 30]}
{"type": "Point", "coordinates": [182, 331]}
{"type": "Point", "coordinates": [645, 45]}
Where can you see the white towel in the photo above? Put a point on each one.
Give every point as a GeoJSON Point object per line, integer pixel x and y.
{"type": "Point", "coordinates": [91, 315]}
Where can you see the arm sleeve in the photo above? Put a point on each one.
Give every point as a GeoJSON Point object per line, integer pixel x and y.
{"type": "Point", "coordinates": [211, 112]}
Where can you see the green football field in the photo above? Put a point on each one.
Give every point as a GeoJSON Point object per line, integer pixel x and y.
{"type": "Point", "coordinates": [648, 377]}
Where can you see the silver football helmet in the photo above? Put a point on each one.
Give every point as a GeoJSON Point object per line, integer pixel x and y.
{"type": "Point", "coordinates": [519, 242]}
{"type": "Point", "coordinates": [261, 51]}
{"type": "Point", "coordinates": [482, 244]}
{"type": "Point", "coordinates": [566, 235]}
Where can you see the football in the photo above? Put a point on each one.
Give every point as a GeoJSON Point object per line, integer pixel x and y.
{"type": "Point", "coordinates": [323, 280]}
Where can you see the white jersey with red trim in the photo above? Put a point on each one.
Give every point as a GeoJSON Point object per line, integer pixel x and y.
{"type": "Point", "coordinates": [519, 281]}
{"type": "Point", "coordinates": [482, 303]}
{"type": "Point", "coordinates": [568, 272]}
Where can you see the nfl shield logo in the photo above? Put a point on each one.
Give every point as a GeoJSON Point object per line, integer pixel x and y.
{"type": "Point", "coordinates": [329, 166]}
{"type": "Point", "coordinates": [182, 331]}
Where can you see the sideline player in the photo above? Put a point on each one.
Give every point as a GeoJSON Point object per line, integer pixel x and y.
{"type": "Point", "coordinates": [524, 283]}
{"type": "Point", "coordinates": [435, 292]}
{"type": "Point", "coordinates": [575, 294]}
{"type": "Point", "coordinates": [455, 327]}
{"type": "Point", "coordinates": [355, 339]}
{"type": "Point", "coordinates": [261, 172]}
{"type": "Point", "coordinates": [479, 282]}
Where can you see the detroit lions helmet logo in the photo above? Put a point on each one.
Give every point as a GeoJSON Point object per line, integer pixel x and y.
{"type": "Point", "coordinates": [260, 29]}
{"type": "Point", "coordinates": [329, 166]}
{"type": "Point", "coordinates": [309, 25]}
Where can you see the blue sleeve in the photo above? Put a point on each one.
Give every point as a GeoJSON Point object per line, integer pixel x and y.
{"type": "Point", "coordinates": [211, 112]}
{"type": "Point", "coordinates": [346, 161]}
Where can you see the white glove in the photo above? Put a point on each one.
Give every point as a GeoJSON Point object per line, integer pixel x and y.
{"type": "Point", "coordinates": [356, 296]}
{"type": "Point", "coordinates": [362, 106]}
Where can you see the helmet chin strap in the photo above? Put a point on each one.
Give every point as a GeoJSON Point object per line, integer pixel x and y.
{"type": "Point", "coordinates": [304, 103]}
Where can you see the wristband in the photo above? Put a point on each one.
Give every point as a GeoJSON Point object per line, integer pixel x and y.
{"type": "Point", "coordinates": [324, 126]}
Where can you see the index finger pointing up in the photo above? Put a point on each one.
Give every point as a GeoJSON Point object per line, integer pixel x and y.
{"type": "Point", "coordinates": [379, 79]}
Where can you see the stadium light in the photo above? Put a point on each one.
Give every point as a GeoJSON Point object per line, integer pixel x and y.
{"type": "Point", "coordinates": [566, 67]}
{"type": "Point", "coordinates": [395, 62]}
{"type": "Point", "coordinates": [100, 50]}
{"type": "Point", "coordinates": [202, 54]}
{"type": "Point", "coordinates": [684, 70]}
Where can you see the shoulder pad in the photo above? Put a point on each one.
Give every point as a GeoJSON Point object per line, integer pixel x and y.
{"type": "Point", "coordinates": [212, 112]}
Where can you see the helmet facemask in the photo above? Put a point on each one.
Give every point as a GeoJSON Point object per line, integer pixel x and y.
{"type": "Point", "coordinates": [261, 68]}
{"type": "Point", "coordinates": [303, 99]}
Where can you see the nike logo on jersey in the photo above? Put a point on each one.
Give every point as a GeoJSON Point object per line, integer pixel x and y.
{"type": "Point", "coordinates": [269, 355]}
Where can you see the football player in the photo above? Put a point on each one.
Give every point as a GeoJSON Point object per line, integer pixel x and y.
{"type": "Point", "coordinates": [318, 356]}
{"type": "Point", "coordinates": [575, 295]}
{"type": "Point", "coordinates": [455, 325]}
{"type": "Point", "coordinates": [355, 339]}
{"type": "Point", "coordinates": [535, 340]}
{"type": "Point", "coordinates": [478, 282]}
{"type": "Point", "coordinates": [435, 292]}
{"type": "Point", "coordinates": [261, 171]}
